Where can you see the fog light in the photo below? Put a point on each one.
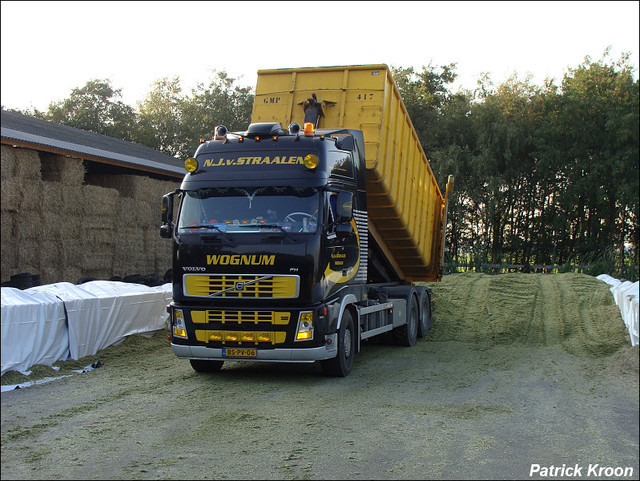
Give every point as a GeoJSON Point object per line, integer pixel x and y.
{"type": "Point", "coordinates": [265, 337]}
{"type": "Point", "coordinates": [231, 336]}
{"type": "Point", "coordinates": [248, 337]}
{"type": "Point", "coordinates": [215, 336]}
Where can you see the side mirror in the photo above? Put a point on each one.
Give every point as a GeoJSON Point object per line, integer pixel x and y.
{"type": "Point", "coordinates": [344, 206]}
{"type": "Point", "coordinates": [166, 229]}
{"type": "Point", "coordinates": [167, 207]}
{"type": "Point", "coordinates": [345, 142]}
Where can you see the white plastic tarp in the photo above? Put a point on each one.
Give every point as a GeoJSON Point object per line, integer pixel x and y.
{"type": "Point", "coordinates": [125, 309]}
{"type": "Point", "coordinates": [87, 318]}
{"type": "Point", "coordinates": [625, 295]}
{"type": "Point", "coordinates": [34, 329]}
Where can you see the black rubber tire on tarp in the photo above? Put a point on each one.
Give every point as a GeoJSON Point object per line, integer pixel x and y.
{"type": "Point", "coordinates": [342, 364]}
{"type": "Point", "coordinates": [84, 280]}
{"type": "Point", "coordinates": [24, 280]}
{"type": "Point", "coordinates": [205, 365]}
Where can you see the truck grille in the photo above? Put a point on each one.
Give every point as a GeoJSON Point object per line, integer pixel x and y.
{"type": "Point", "coordinates": [254, 317]}
{"type": "Point", "coordinates": [234, 286]}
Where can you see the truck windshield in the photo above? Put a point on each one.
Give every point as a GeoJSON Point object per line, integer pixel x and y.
{"type": "Point", "coordinates": [246, 210]}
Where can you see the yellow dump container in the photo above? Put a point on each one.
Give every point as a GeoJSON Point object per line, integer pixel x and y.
{"type": "Point", "coordinates": [405, 206]}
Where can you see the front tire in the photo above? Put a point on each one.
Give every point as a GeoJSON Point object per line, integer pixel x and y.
{"type": "Point", "coordinates": [203, 365]}
{"type": "Point", "coordinates": [341, 365]}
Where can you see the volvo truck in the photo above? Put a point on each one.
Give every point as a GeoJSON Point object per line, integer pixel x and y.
{"type": "Point", "coordinates": [311, 231]}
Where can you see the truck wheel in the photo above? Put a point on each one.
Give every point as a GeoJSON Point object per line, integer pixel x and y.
{"type": "Point", "coordinates": [407, 334]}
{"type": "Point", "coordinates": [341, 365]}
{"type": "Point", "coordinates": [201, 365]}
{"type": "Point", "coordinates": [425, 314]}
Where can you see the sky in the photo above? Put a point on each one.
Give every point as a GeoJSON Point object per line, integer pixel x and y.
{"type": "Point", "coordinates": [49, 48]}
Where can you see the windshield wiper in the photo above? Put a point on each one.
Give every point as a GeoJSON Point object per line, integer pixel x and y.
{"type": "Point", "coordinates": [203, 226]}
{"type": "Point", "coordinates": [206, 226]}
{"type": "Point", "coordinates": [272, 226]}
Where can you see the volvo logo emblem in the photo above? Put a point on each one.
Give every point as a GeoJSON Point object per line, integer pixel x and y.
{"type": "Point", "coordinates": [239, 286]}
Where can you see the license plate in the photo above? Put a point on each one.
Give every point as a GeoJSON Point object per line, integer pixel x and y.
{"type": "Point", "coordinates": [239, 352]}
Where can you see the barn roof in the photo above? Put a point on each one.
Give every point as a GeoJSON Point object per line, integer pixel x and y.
{"type": "Point", "coordinates": [30, 132]}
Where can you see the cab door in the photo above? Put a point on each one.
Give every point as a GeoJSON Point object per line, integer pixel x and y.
{"type": "Point", "coordinates": [342, 239]}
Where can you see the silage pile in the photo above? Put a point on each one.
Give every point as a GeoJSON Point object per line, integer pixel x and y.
{"type": "Point", "coordinates": [574, 311]}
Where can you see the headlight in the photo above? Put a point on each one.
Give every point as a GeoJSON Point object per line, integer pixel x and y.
{"type": "Point", "coordinates": [179, 328]}
{"type": "Point", "coordinates": [305, 327]}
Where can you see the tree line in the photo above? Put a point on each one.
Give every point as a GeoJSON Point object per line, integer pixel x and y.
{"type": "Point", "coordinates": [543, 174]}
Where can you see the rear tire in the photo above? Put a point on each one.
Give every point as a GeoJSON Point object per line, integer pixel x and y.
{"type": "Point", "coordinates": [407, 334]}
{"type": "Point", "coordinates": [341, 365]}
{"type": "Point", "coordinates": [425, 314]}
{"type": "Point", "coordinates": [203, 365]}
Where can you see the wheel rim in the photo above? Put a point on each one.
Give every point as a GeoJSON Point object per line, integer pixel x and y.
{"type": "Point", "coordinates": [347, 343]}
{"type": "Point", "coordinates": [414, 315]}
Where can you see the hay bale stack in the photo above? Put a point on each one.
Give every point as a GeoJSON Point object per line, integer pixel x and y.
{"type": "Point", "coordinates": [63, 169]}
{"type": "Point", "coordinates": [146, 213]}
{"type": "Point", "coordinates": [132, 186]}
{"type": "Point", "coordinates": [100, 228]}
{"type": "Point", "coordinates": [19, 197]}
{"type": "Point", "coordinates": [20, 210]}
{"type": "Point", "coordinates": [28, 255]}
{"type": "Point", "coordinates": [72, 201]}
{"type": "Point", "coordinates": [73, 251]}
{"type": "Point", "coordinates": [130, 258]}
{"type": "Point", "coordinates": [7, 161]}
{"type": "Point", "coordinates": [71, 274]}
{"type": "Point", "coordinates": [55, 223]}
{"type": "Point", "coordinates": [9, 254]}
{"type": "Point", "coordinates": [143, 188]}
{"type": "Point", "coordinates": [24, 203]}
{"type": "Point", "coordinates": [100, 202]}
{"type": "Point", "coordinates": [126, 212]}
{"type": "Point", "coordinates": [11, 195]}
{"type": "Point", "coordinates": [51, 198]}
{"type": "Point", "coordinates": [65, 224]}
{"type": "Point", "coordinates": [31, 199]}
{"type": "Point", "coordinates": [50, 254]}
{"type": "Point", "coordinates": [160, 250]}
{"type": "Point", "coordinates": [27, 165]}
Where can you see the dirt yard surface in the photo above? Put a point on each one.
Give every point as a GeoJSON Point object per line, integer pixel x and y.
{"type": "Point", "coordinates": [519, 371]}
